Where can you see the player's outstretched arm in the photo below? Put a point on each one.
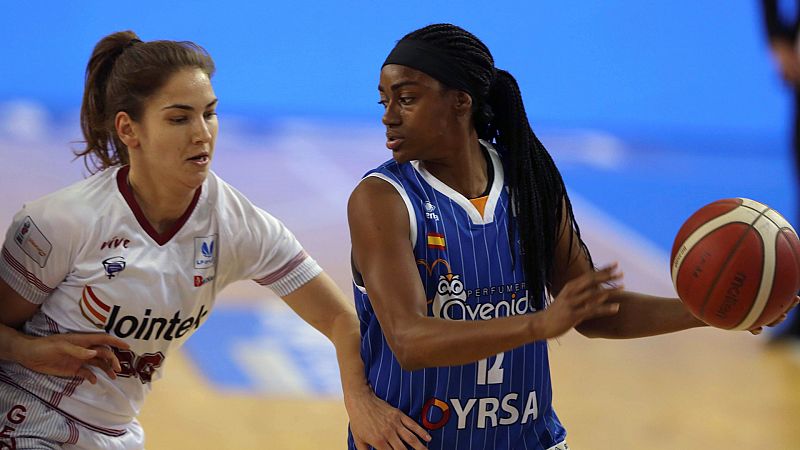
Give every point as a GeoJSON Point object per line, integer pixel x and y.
{"type": "Point", "coordinates": [372, 421]}
{"type": "Point", "coordinates": [379, 230]}
{"type": "Point", "coordinates": [63, 355]}
{"type": "Point", "coordinates": [639, 315]}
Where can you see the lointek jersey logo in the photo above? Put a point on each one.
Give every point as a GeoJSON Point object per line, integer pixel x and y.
{"type": "Point", "coordinates": [145, 328]}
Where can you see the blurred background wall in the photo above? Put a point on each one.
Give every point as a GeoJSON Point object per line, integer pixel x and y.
{"type": "Point", "coordinates": [690, 65]}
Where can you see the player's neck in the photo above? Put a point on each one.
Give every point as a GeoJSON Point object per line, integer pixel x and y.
{"type": "Point", "coordinates": [162, 202]}
{"type": "Point", "coordinates": [463, 168]}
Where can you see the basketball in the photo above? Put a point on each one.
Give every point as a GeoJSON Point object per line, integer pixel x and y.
{"type": "Point", "coordinates": [735, 264]}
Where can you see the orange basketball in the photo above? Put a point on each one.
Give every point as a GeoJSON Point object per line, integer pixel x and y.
{"type": "Point", "coordinates": [735, 264]}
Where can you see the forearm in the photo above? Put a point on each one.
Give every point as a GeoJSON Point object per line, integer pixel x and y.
{"type": "Point", "coordinates": [323, 306]}
{"type": "Point", "coordinates": [11, 341]}
{"type": "Point", "coordinates": [430, 342]}
{"type": "Point", "coordinates": [346, 337]}
{"type": "Point", "coordinates": [641, 315]}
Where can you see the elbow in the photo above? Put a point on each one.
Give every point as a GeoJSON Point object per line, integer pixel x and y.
{"type": "Point", "coordinates": [406, 351]}
{"type": "Point", "coordinates": [591, 329]}
{"type": "Point", "coordinates": [410, 362]}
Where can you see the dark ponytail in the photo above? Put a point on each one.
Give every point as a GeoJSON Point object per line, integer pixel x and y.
{"type": "Point", "coordinates": [537, 191]}
{"type": "Point", "coordinates": [538, 194]}
{"type": "Point", "coordinates": [122, 72]}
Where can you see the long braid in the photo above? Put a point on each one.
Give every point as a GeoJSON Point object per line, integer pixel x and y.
{"type": "Point", "coordinates": [537, 191]}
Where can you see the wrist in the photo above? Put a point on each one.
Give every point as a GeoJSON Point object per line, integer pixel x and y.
{"type": "Point", "coordinates": [15, 345]}
{"type": "Point", "coordinates": [355, 392]}
{"type": "Point", "coordinates": [537, 327]}
{"type": "Point", "coordinates": [356, 389]}
{"type": "Point", "coordinates": [690, 319]}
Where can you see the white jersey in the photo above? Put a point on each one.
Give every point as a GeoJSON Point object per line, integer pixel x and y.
{"type": "Point", "coordinates": [90, 258]}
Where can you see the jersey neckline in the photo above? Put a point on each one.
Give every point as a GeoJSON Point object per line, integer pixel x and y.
{"type": "Point", "coordinates": [130, 199]}
{"type": "Point", "coordinates": [494, 192]}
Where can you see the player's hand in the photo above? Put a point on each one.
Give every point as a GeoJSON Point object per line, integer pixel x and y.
{"type": "Point", "coordinates": [583, 298]}
{"type": "Point", "coordinates": [759, 330]}
{"type": "Point", "coordinates": [70, 355]}
{"type": "Point", "coordinates": [375, 423]}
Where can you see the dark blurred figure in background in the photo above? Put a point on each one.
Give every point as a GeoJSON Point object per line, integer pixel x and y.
{"type": "Point", "coordinates": [782, 31]}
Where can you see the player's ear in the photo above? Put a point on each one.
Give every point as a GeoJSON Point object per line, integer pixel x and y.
{"type": "Point", "coordinates": [123, 124]}
{"type": "Point", "coordinates": [463, 103]}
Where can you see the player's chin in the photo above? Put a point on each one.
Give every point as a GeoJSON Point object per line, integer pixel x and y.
{"type": "Point", "coordinates": [402, 156]}
{"type": "Point", "coordinates": [195, 176]}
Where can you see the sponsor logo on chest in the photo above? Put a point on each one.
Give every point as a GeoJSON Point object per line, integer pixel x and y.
{"type": "Point", "coordinates": [114, 265]}
{"type": "Point", "coordinates": [115, 242]}
{"type": "Point", "coordinates": [430, 211]}
{"type": "Point", "coordinates": [139, 326]}
{"type": "Point", "coordinates": [200, 280]}
{"type": "Point", "coordinates": [452, 301]}
{"type": "Point", "coordinates": [205, 252]}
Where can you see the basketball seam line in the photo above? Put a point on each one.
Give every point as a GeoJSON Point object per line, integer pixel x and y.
{"type": "Point", "coordinates": [727, 261]}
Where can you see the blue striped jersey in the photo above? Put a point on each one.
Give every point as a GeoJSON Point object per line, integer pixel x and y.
{"type": "Point", "coordinates": [465, 265]}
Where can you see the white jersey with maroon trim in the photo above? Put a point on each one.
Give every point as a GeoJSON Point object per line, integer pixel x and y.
{"type": "Point", "coordinates": [90, 258]}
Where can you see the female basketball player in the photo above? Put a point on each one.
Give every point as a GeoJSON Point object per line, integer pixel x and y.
{"type": "Point", "coordinates": [100, 281]}
{"type": "Point", "coordinates": [454, 325]}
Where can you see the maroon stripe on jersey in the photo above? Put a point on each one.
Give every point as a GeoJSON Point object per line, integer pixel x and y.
{"type": "Point", "coordinates": [73, 433]}
{"type": "Point", "coordinates": [85, 302]}
{"type": "Point", "coordinates": [99, 303]}
{"type": "Point", "coordinates": [68, 390]}
{"type": "Point", "coordinates": [283, 271]}
{"type": "Point", "coordinates": [52, 325]}
{"type": "Point", "coordinates": [102, 430]}
{"type": "Point", "coordinates": [127, 193]}
{"type": "Point", "coordinates": [32, 279]}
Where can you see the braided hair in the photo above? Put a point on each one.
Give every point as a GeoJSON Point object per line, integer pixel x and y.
{"type": "Point", "coordinates": [537, 192]}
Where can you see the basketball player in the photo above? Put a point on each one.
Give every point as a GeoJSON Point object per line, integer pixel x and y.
{"type": "Point", "coordinates": [451, 287]}
{"type": "Point", "coordinates": [101, 281]}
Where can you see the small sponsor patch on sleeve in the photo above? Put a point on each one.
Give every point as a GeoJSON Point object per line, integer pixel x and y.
{"type": "Point", "coordinates": [31, 240]}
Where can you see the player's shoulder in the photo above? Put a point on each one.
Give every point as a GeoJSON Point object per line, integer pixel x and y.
{"type": "Point", "coordinates": [390, 168]}
{"type": "Point", "coordinates": [234, 210]}
{"type": "Point", "coordinates": [81, 202]}
{"type": "Point", "coordinates": [224, 197]}
{"type": "Point", "coordinates": [377, 193]}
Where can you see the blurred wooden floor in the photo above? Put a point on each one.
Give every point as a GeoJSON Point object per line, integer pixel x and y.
{"type": "Point", "coordinates": [702, 389]}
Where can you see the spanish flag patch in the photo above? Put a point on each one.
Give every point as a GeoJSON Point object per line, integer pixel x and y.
{"type": "Point", "coordinates": [436, 240]}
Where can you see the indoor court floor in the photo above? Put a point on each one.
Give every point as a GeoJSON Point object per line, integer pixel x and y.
{"type": "Point", "coordinates": [256, 377]}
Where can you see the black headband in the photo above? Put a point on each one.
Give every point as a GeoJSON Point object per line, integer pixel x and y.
{"type": "Point", "coordinates": [433, 61]}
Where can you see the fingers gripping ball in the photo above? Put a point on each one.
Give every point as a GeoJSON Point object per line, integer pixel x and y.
{"type": "Point", "coordinates": [736, 264]}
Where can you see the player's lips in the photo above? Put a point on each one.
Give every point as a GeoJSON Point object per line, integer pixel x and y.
{"type": "Point", "coordinates": [393, 141]}
{"type": "Point", "coordinates": [201, 158]}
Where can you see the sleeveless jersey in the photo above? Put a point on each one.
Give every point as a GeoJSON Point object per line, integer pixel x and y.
{"type": "Point", "coordinates": [465, 265]}
{"type": "Point", "coordinates": [90, 258]}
